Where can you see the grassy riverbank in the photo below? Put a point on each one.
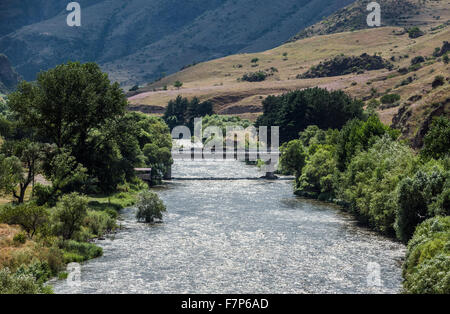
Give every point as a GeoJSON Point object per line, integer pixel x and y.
{"type": "Point", "coordinates": [26, 263]}
{"type": "Point", "coordinates": [86, 161]}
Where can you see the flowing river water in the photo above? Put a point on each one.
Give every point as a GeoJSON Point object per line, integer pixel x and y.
{"type": "Point", "coordinates": [240, 236]}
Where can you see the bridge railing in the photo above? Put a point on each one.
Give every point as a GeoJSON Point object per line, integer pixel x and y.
{"type": "Point", "coordinates": [237, 154]}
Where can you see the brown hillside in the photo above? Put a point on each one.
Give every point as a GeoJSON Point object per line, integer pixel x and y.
{"type": "Point", "coordinates": [219, 80]}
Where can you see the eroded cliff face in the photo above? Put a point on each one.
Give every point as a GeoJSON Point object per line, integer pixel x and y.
{"type": "Point", "coordinates": [8, 76]}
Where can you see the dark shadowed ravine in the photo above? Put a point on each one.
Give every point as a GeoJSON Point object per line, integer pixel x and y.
{"type": "Point", "coordinates": [239, 237]}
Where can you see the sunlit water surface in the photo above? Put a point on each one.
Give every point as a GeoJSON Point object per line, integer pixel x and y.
{"type": "Point", "coordinates": [240, 237]}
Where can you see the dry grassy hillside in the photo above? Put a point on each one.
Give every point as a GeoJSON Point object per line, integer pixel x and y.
{"type": "Point", "coordinates": [219, 80]}
{"type": "Point", "coordinates": [405, 13]}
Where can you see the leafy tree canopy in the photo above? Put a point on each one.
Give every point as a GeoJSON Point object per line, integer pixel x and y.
{"type": "Point", "coordinates": [294, 111]}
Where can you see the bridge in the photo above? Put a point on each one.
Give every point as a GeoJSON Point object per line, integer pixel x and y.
{"type": "Point", "coordinates": [144, 174]}
{"type": "Point", "coordinates": [268, 156]}
{"type": "Point", "coordinates": [196, 153]}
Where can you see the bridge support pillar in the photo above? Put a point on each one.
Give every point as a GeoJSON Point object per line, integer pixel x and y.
{"type": "Point", "coordinates": [270, 176]}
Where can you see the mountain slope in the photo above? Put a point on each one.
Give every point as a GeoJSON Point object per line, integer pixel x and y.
{"type": "Point", "coordinates": [8, 76]}
{"type": "Point", "coordinates": [140, 40]}
{"type": "Point", "coordinates": [16, 14]}
{"type": "Point", "coordinates": [219, 80]}
{"type": "Point", "coordinates": [405, 13]}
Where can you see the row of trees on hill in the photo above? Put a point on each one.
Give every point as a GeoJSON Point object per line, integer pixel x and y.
{"type": "Point", "coordinates": [183, 111]}
{"type": "Point", "coordinates": [296, 110]}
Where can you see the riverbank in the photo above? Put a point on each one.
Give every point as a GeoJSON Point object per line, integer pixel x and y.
{"type": "Point", "coordinates": [384, 184]}
{"type": "Point", "coordinates": [44, 257]}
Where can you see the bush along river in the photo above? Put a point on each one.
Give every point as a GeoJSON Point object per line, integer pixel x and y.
{"type": "Point", "coordinates": [240, 236]}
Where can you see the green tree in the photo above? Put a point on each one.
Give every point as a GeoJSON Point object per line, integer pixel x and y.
{"type": "Point", "coordinates": [312, 135]}
{"type": "Point", "coordinates": [317, 174]}
{"type": "Point", "coordinates": [292, 159]}
{"type": "Point", "coordinates": [181, 111]}
{"type": "Point", "coordinates": [69, 215]}
{"type": "Point", "coordinates": [358, 136]}
{"type": "Point", "coordinates": [155, 142]}
{"type": "Point", "coordinates": [368, 186]}
{"type": "Point", "coordinates": [149, 207]}
{"type": "Point", "coordinates": [294, 111]}
{"type": "Point", "coordinates": [29, 216]}
{"type": "Point", "coordinates": [63, 171]}
{"type": "Point", "coordinates": [20, 167]}
{"type": "Point", "coordinates": [437, 139]}
{"type": "Point", "coordinates": [178, 84]}
{"type": "Point", "coordinates": [76, 107]}
{"type": "Point", "coordinates": [416, 197]}
{"type": "Point", "coordinates": [197, 109]}
{"type": "Point", "coordinates": [175, 112]}
{"type": "Point", "coordinates": [426, 269]}
{"type": "Point", "coordinates": [11, 175]}
{"type": "Point", "coordinates": [68, 102]}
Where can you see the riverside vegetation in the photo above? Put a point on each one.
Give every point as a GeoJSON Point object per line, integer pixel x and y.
{"type": "Point", "coordinates": [337, 151]}
{"type": "Point", "coordinates": [356, 161]}
{"type": "Point", "coordinates": [71, 128]}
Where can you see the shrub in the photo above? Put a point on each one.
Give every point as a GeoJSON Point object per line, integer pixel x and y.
{"type": "Point", "coordinates": [415, 32]}
{"type": "Point", "coordinates": [29, 216]}
{"type": "Point", "coordinates": [292, 157]}
{"type": "Point", "coordinates": [99, 223]}
{"type": "Point", "coordinates": [149, 207]}
{"type": "Point", "coordinates": [390, 98]}
{"type": "Point", "coordinates": [373, 104]}
{"type": "Point", "coordinates": [445, 59]}
{"type": "Point", "coordinates": [44, 194]}
{"type": "Point", "coordinates": [427, 265]}
{"type": "Point", "coordinates": [414, 197]}
{"type": "Point", "coordinates": [415, 67]}
{"type": "Point", "coordinates": [177, 84]}
{"type": "Point", "coordinates": [342, 65]}
{"type": "Point", "coordinates": [438, 81]}
{"type": "Point", "coordinates": [134, 88]}
{"type": "Point", "coordinates": [369, 182]}
{"type": "Point", "coordinates": [255, 76]}
{"type": "Point", "coordinates": [12, 283]}
{"type": "Point", "coordinates": [431, 277]}
{"type": "Point", "coordinates": [417, 60]}
{"type": "Point", "coordinates": [40, 271]}
{"type": "Point", "coordinates": [79, 251]}
{"type": "Point", "coordinates": [69, 215]}
{"type": "Point", "coordinates": [317, 175]}
{"type": "Point", "coordinates": [20, 238]}
{"type": "Point", "coordinates": [254, 60]}
{"type": "Point", "coordinates": [403, 70]}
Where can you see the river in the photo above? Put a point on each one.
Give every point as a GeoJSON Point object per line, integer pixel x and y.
{"type": "Point", "coordinates": [240, 236]}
